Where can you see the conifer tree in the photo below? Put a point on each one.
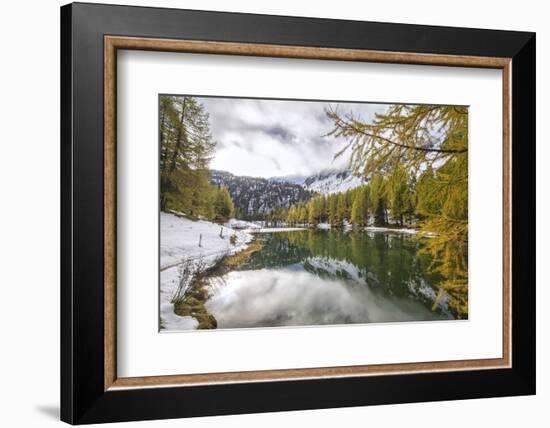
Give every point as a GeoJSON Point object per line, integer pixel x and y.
{"type": "Point", "coordinates": [433, 139]}
{"type": "Point", "coordinates": [302, 214]}
{"type": "Point", "coordinates": [341, 209]}
{"type": "Point", "coordinates": [332, 207]}
{"type": "Point", "coordinates": [223, 205]}
{"type": "Point", "coordinates": [313, 211]}
{"type": "Point", "coordinates": [428, 201]}
{"type": "Point", "coordinates": [186, 147]}
{"type": "Point", "coordinates": [359, 209]}
{"type": "Point", "coordinates": [398, 192]}
{"type": "Point", "coordinates": [377, 199]}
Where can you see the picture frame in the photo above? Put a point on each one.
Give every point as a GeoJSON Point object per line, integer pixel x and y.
{"type": "Point", "coordinates": [91, 35]}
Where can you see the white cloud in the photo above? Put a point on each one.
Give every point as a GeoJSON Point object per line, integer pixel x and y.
{"type": "Point", "coordinates": [267, 138]}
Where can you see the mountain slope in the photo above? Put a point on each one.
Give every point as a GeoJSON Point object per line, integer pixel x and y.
{"type": "Point", "coordinates": [332, 182]}
{"type": "Point", "coordinates": [255, 197]}
{"type": "Point", "coordinates": [325, 182]}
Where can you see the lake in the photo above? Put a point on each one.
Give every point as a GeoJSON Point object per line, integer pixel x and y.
{"type": "Point", "coordinates": [320, 277]}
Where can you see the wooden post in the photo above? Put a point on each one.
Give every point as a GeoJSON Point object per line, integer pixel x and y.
{"type": "Point", "coordinates": [200, 240]}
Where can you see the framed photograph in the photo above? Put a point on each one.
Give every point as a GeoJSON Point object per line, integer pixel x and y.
{"type": "Point", "coordinates": [266, 213]}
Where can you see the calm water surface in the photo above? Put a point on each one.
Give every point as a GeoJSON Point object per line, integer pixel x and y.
{"type": "Point", "coordinates": [315, 277]}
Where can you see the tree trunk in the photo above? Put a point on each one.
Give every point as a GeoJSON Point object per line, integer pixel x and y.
{"type": "Point", "coordinates": [162, 148]}
{"type": "Point", "coordinates": [178, 138]}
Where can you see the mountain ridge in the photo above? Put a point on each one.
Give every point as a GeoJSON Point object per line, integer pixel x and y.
{"type": "Point", "coordinates": [256, 197]}
{"type": "Point", "coordinates": [325, 182]}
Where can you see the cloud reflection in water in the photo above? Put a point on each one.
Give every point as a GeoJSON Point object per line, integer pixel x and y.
{"type": "Point", "coordinates": [295, 297]}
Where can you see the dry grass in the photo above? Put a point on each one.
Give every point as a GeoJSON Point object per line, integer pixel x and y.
{"type": "Point", "coordinates": [235, 260]}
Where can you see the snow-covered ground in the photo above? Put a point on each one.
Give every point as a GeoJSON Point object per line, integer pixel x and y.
{"type": "Point", "coordinates": [186, 241]}
{"type": "Point", "coordinates": [347, 226]}
{"type": "Point", "coordinates": [390, 229]}
{"type": "Point", "coordinates": [179, 242]}
{"type": "Point", "coordinates": [180, 238]}
{"type": "Point", "coordinates": [276, 229]}
{"type": "Point", "coordinates": [258, 227]}
{"type": "Point", "coordinates": [242, 224]}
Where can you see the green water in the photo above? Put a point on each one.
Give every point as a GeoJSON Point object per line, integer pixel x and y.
{"type": "Point", "coordinates": [315, 277]}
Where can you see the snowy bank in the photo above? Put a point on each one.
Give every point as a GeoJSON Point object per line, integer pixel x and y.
{"type": "Point", "coordinates": [389, 229]}
{"type": "Point", "coordinates": [180, 239]}
{"type": "Point", "coordinates": [179, 242]}
{"type": "Point", "coordinates": [276, 229]}
{"type": "Point", "coordinates": [242, 224]}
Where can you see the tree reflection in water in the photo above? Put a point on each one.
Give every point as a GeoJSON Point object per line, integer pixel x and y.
{"type": "Point", "coordinates": [316, 277]}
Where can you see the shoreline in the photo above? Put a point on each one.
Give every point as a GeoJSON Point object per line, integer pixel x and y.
{"type": "Point", "coordinates": [220, 244]}
{"type": "Point", "coordinates": [321, 227]}
{"type": "Point", "coordinates": [406, 230]}
{"type": "Point", "coordinates": [276, 229]}
{"type": "Point", "coordinates": [199, 244]}
{"type": "Point", "coordinates": [193, 302]}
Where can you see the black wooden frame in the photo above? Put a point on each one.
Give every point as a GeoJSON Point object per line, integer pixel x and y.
{"type": "Point", "coordinates": [83, 399]}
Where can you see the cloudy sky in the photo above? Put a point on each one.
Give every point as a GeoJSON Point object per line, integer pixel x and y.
{"type": "Point", "coordinates": [273, 138]}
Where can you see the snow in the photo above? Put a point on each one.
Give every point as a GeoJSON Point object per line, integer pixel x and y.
{"type": "Point", "coordinates": [179, 242]}
{"type": "Point", "coordinates": [169, 320]}
{"type": "Point", "coordinates": [257, 227]}
{"type": "Point", "coordinates": [325, 182]}
{"type": "Point", "coordinates": [389, 229]}
{"type": "Point", "coordinates": [323, 226]}
{"type": "Point", "coordinates": [242, 224]}
{"type": "Point", "coordinates": [277, 229]}
{"type": "Point", "coordinates": [294, 179]}
{"type": "Point", "coordinates": [255, 195]}
{"type": "Point", "coordinates": [333, 183]}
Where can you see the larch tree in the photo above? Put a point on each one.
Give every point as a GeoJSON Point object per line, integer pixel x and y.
{"type": "Point", "coordinates": [186, 147]}
{"type": "Point", "coordinates": [431, 143]}
{"type": "Point", "coordinates": [377, 199]}
{"type": "Point", "coordinates": [340, 209]}
{"type": "Point", "coordinates": [332, 207]}
{"type": "Point", "coordinates": [359, 208]}
{"type": "Point", "coordinates": [399, 192]}
{"type": "Point", "coordinates": [223, 205]}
